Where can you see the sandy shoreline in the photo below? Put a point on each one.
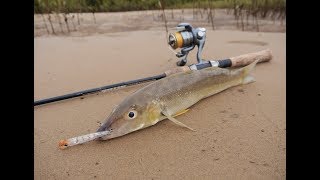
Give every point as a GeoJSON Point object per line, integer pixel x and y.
{"type": "Point", "coordinates": [240, 132]}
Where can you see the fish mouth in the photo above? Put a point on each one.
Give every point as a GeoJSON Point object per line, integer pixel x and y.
{"type": "Point", "coordinates": [104, 126]}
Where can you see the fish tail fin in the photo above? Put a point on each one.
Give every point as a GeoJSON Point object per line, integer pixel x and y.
{"type": "Point", "coordinates": [247, 69]}
{"type": "Point", "coordinates": [246, 77]}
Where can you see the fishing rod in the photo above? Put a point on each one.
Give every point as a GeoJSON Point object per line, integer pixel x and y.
{"type": "Point", "coordinates": [185, 38]}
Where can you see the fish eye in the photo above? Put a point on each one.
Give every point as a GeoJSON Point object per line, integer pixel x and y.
{"type": "Point", "coordinates": [132, 114]}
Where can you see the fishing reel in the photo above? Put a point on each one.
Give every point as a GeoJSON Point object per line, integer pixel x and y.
{"type": "Point", "coordinates": [187, 38]}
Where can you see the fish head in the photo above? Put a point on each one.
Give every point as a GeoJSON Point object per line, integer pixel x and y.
{"type": "Point", "coordinates": [131, 115]}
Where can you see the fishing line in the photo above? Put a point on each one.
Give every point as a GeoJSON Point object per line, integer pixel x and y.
{"type": "Point", "coordinates": [174, 52]}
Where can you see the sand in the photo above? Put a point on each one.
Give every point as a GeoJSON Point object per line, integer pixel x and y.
{"type": "Point", "coordinates": [240, 133]}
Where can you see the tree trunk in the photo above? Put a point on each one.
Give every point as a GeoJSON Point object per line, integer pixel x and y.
{"type": "Point", "coordinates": [257, 23]}
{"type": "Point", "coordinates": [49, 18]}
{"type": "Point", "coordinates": [60, 23]}
{"type": "Point", "coordinates": [241, 17]}
{"type": "Point", "coordinates": [66, 21]}
{"type": "Point", "coordinates": [78, 18]}
{"type": "Point", "coordinates": [74, 26]}
{"type": "Point", "coordinates": [45, 24]}
{"type": "Point", "coordinates": [172, 17]}
{"type": "Point", "coordinates": [94, 18]}
{"type": "Point", "coordinates": [164, 15]}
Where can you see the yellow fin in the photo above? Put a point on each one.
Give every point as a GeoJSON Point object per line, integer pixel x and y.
{"type": "Point", "coordinates": [172, 119]}
{"type": "Point", "coordinates": [181, 112]}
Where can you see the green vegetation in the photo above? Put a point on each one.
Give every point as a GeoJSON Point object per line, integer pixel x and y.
{"type": "Point", "coordinates": [66, 6]}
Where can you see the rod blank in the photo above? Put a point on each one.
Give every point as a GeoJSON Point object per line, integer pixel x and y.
{"type": "Point", "coordinates": [89, 91]}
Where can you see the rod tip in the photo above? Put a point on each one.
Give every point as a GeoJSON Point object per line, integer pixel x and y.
{"type": "Point", "coordinates": [63, 144]}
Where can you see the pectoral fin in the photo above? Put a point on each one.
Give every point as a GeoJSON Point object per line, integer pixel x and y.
{"type": "Point", "coordinates": [172, 119]}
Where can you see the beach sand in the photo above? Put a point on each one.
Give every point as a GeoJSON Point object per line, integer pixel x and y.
{"type": "Point", "coordinates": [240, 132]}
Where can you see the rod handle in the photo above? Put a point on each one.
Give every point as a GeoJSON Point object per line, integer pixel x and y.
{"type": "Point", "coordinates": [245, 59]}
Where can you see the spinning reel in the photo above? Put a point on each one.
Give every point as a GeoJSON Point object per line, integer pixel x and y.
{"type": "Point", "coordinates": [187, 38]}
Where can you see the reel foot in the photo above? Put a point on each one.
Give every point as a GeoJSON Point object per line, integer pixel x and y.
{"type": "Point", "coordinates": [182, 62]}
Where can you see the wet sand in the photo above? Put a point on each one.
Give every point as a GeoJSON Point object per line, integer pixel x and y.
{"type": "Point", "coordinates": [240, 133]}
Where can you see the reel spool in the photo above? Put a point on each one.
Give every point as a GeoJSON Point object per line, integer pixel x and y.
{"type": "Point", "coordinates": [187, 38]}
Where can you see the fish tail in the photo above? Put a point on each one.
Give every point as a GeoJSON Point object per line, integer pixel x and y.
{"type": "Point", "coordinates": [247, 69]}
{"type": "Point", "coordinates": [246, 78]}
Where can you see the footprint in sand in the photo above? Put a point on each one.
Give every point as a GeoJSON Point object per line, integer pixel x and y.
{"type": "Point", "coordinates": [258, 43]}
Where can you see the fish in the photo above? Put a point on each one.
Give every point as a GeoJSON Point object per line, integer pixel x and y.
{"type": "Point", "coordinates": [166, 98]}
{"type": "Point", "coordinates": [170, 97]}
